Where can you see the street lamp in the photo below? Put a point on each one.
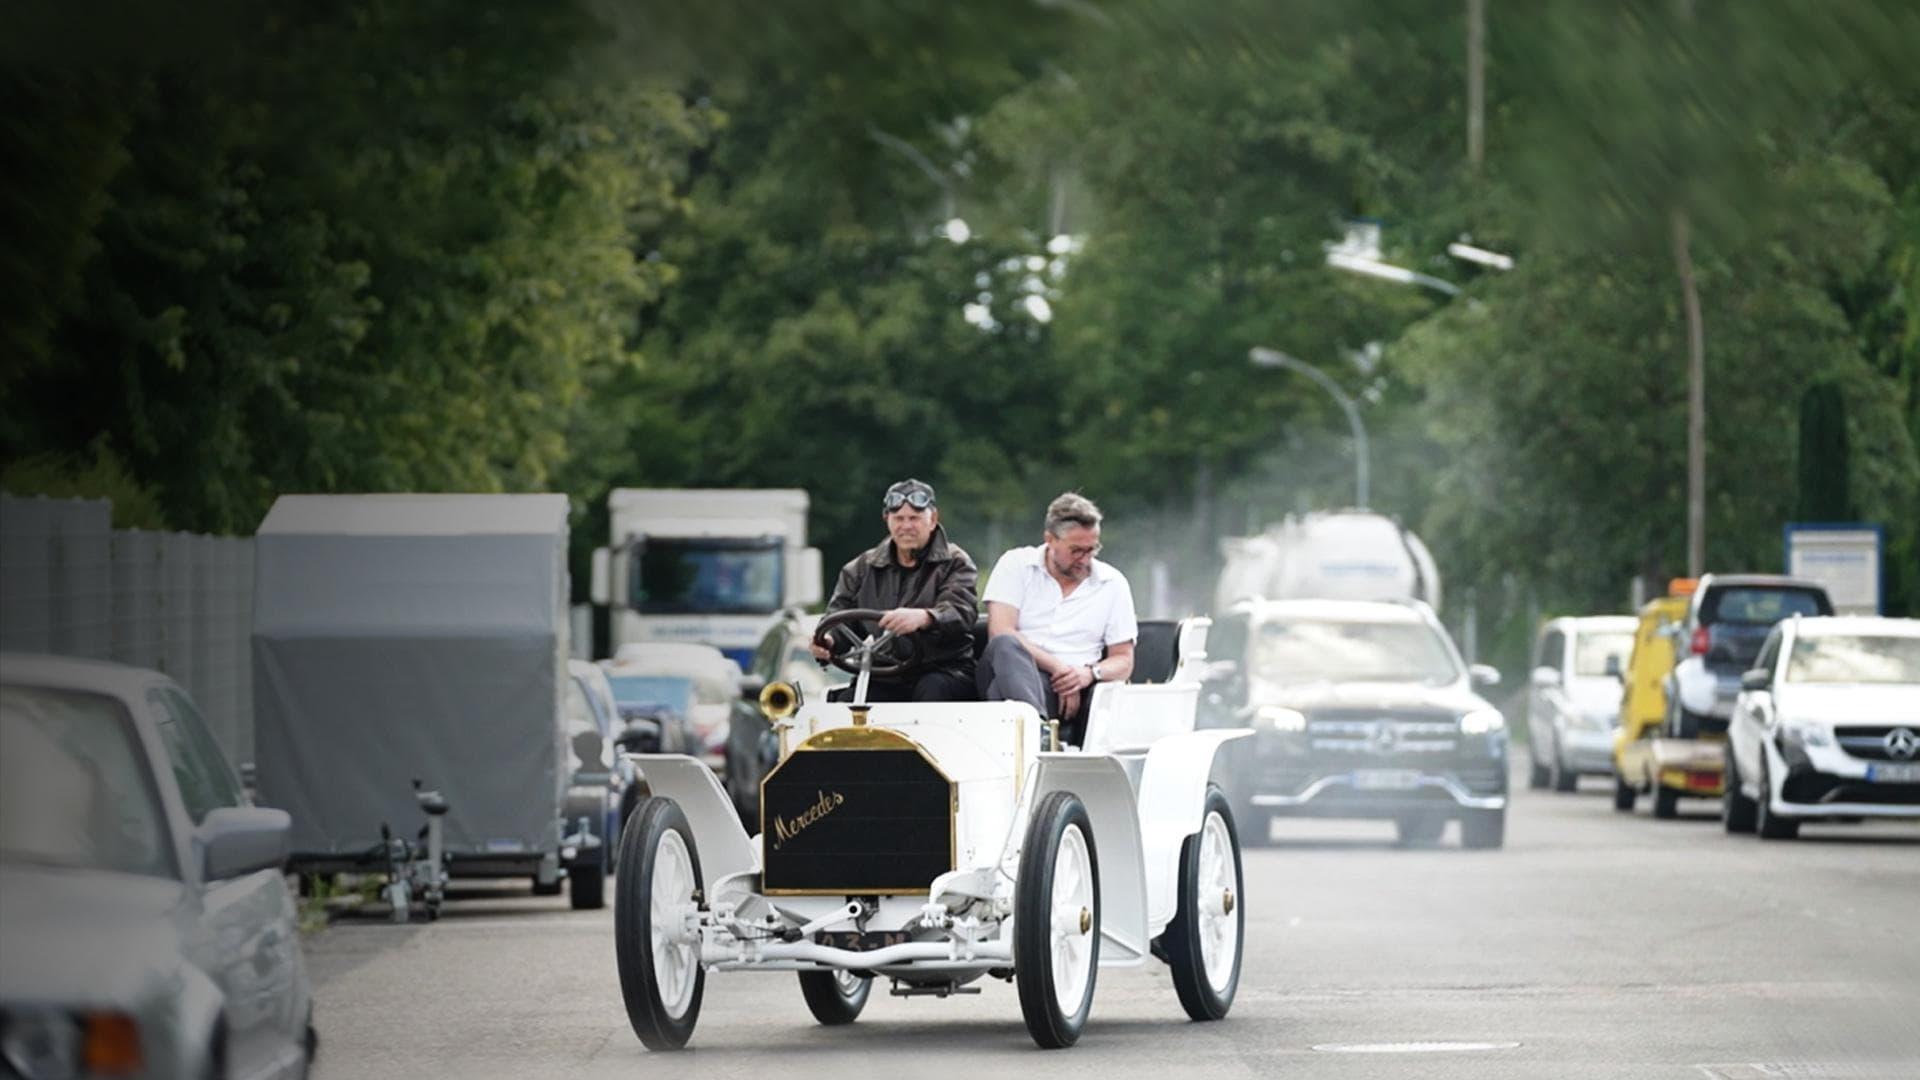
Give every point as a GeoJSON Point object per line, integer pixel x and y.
{"type": "Point", "coordinates": [1264, 357]}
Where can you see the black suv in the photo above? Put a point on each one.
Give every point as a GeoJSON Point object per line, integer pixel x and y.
{"type": "Point", "coordinates": [1361, 709]}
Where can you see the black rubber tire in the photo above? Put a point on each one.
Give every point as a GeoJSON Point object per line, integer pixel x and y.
{"type": "Point", "coordinates": [632, 925]}
{"type": "Point", "coordinates": [548, 890]}
{"type": "Point", "coordinates": [1681, 724]}
{"type": "Point", "coordinates": [825, 1001]}
{"type": "Point", "coordinates": [1050, 1027]}
{"type": "Point", "coordinates": [1562, 778]}
{"type": "Point", "coordinates": [1623, 795]}
{"type": "Point", "coordinates": [1182, 936]}
{"type": "Point", "coordinates": [1769, 825]}
{"type": "Point", "coordinates": [587, 881]}
{"type": "Point", "coordinates": [1666, 802]}
{"type": "Point", "coordinates": [1419, 830]}
{"type": "Point", "coordinates": [1537, 774]}
{"type": "Point", "coordinates": [1483, 830]}
{"type": "Point", "coordinates": [1737, 812]}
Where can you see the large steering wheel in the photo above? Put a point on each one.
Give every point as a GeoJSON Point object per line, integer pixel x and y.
{"type": "Point", "coordinates": [884, 654]}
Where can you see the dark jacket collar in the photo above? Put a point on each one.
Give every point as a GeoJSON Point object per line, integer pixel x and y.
{"type": "Point", "coordinates": [881, 554]}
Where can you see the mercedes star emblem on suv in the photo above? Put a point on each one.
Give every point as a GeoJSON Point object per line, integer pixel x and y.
{"type": "Point", "coordinates": [1902, 742]}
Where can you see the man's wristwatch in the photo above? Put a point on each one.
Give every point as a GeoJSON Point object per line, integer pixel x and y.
{"type": "Point", "coordinates": [1094, 670]}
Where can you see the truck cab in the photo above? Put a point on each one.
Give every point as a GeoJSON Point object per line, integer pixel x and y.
{"type": "Point", "coordinates": [704, 566]}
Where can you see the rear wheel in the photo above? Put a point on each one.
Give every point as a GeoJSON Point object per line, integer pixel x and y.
{"type": "Point", "coordinates": [835, 997]}
{"type": "Point", "coordinates": [1056, 928]}
{"type": "Point", "coordinates": [1769, 825]}
{"type": "Point", "coordinates": [659, 955]}
{"type": "Point", "coordinates": [1203, 943]}
{"type": "Point", "coordinates": [1537, 774]}
{"type": "Point", "coordinates": [1737, 812]}
{"type": "Point", "coordinates": [1666, 802]}
{"type": "Point", "coordinates": [1483, 829]}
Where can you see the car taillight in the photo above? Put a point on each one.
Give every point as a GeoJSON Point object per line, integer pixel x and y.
{"type": "Point", "coordinates": [1701, 641]}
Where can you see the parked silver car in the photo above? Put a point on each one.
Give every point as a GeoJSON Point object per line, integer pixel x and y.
{"type": "Point", "coordinates": [1573, 698]}
{"type": "Point", "coordinates": [148, 930]}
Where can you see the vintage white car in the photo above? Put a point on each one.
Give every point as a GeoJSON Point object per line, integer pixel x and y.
{"type": "Point", "coordinates": [933, 844]}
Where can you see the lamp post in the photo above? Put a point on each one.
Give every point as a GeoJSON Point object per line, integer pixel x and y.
{"type": "Point", "coordinates": [1264, 357]}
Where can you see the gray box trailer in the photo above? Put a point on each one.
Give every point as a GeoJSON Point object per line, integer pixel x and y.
{"type": "Point", "coordinates": [415, 637]}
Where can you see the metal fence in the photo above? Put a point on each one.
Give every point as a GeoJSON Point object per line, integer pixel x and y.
{"type": "Point", "coordinates": [181, 603]}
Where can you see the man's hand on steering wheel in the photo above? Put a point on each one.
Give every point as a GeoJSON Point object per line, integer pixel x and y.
{"type": "Point", "coordinates": [885, 653]}
{"type": "Point", "coordinates": [906, 620]}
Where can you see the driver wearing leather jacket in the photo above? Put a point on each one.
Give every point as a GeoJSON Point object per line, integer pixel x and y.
{"type": "Point", "coordinates": [926, 586]}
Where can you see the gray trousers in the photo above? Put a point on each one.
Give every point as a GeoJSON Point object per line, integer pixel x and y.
{"type": "Point", "coordinates": [1006, 672]}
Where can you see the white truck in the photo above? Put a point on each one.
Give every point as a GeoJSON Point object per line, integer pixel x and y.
{"type": "Point", "coordinates": [707, 565]}
{"type": "Point", "coordinates": [1328, 555]}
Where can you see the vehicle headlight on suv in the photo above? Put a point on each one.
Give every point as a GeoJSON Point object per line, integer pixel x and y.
{"type": "Point", "coordinates": [1482, 722]}
{"type": "Point", "coordinates": [1807, 734]}
{"type": "Point", "coordinates": [1278, 718]}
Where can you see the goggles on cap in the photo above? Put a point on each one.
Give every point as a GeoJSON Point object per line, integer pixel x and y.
{"type": "Point", "coordinates": [919, 498]}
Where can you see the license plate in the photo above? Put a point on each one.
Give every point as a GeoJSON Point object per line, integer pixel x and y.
{"type": "Point", "coordinates": [860, 940]}
{"type": "Point", "coordinates": [1386, 779]}
{"type": "Point", "coordinates": [1894, 774]}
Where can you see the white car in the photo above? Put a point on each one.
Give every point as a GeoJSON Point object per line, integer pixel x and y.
{"type": "Point", "coordinates": [146, 928]}
{"type": "Point", "coordinates": [933, 844]}
{"type": "Point", "coordinates": [1827, 726]}
{"type": "Point", "coordinates": [1573, 698]}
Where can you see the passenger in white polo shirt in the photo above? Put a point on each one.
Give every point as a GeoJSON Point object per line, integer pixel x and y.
{"type": "Point", "coordinates": [1052, 610]}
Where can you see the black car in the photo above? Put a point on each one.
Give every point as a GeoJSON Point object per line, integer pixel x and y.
{"type": "Point", "coordinates": [752, 748]}
{"type": "Point", "coordinates": [1361, 709]}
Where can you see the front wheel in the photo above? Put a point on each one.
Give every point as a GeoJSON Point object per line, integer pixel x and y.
{"type": "Point", "coordinates": [1203, 943]}
{"type": "Point", "coordinates": [587, 880]}
{"type": "Point", "coordinates": [1769, 825]}
{"type": "Point", "coordinates": [1623, 795]}
{"type": "Point", "coordinates": [835, 997]}
{"type": "Point", "coordinates": [1564, 778]}
{"type": "Point", "coordinates": [1056, 927]}
{"type": "Point", "coordinates": [657, 946]}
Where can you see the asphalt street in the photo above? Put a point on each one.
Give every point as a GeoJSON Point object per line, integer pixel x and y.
{"type": "Point", "coordinates": [1595, 944]}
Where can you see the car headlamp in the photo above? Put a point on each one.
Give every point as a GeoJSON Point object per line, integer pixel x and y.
{"type": "Point", "coordinates": [41, 1045]}
{"type": "Point", "coordinates": [1278, 718]}
{"type": "Point", "coordinates": [1482, 722]}
{"type": "Point", "coordinates": [1808, 734]}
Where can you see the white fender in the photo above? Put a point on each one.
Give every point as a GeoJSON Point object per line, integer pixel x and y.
{"type": "Point", "coordinates": [1102, 785]}
{"type": "Point", "coordinates": [724, 846]}
{"type": "Point", "coordinates": [1173, 789]}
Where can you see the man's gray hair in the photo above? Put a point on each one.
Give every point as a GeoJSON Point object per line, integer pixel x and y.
{"type": "Point", "coordinates": [1069, 510]}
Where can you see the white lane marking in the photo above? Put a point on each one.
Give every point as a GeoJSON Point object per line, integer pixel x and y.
{"type": "Point", "coordinates": [1411, 1047]}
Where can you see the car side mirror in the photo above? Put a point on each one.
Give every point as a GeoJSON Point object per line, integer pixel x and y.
{"type": "Point", "coordinates": [1484, 675]}
{"type": "Point", "coordinates": [240, 840]}
{"type": "Point", "coordinates": [750, 687]}
{"type": "Point", "coordinates": [1613, 667]}
{"type": "Point", "coordinates": [1545, 678]}
{"type": "Point", "coordinates": [640, 736]}
{"type": "Point", "coordinates": [1757, 679]}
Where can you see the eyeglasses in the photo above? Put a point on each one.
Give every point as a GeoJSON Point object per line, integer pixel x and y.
{"type": "Point", "coordinates": [1084, 552]}
{"type": "Point", "coordinates": [917, 499]}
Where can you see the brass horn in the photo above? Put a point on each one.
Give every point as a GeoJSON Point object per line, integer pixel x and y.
{"type": "Point", "coordinates": [780, 700]}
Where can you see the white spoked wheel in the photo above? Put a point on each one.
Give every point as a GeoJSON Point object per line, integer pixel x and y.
{"type": "Point", "coordinates": [655, 939]}
{"type": "Point", "coordinates": [1056, 930]}
{"type": "Point", "coordinates": [1203, 942]}
{"type": "Point", "coordinates": [835, 997]}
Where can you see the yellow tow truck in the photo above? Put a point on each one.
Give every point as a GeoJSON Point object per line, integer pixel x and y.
{"type": "Point", "coordinates": [1646, 758]}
